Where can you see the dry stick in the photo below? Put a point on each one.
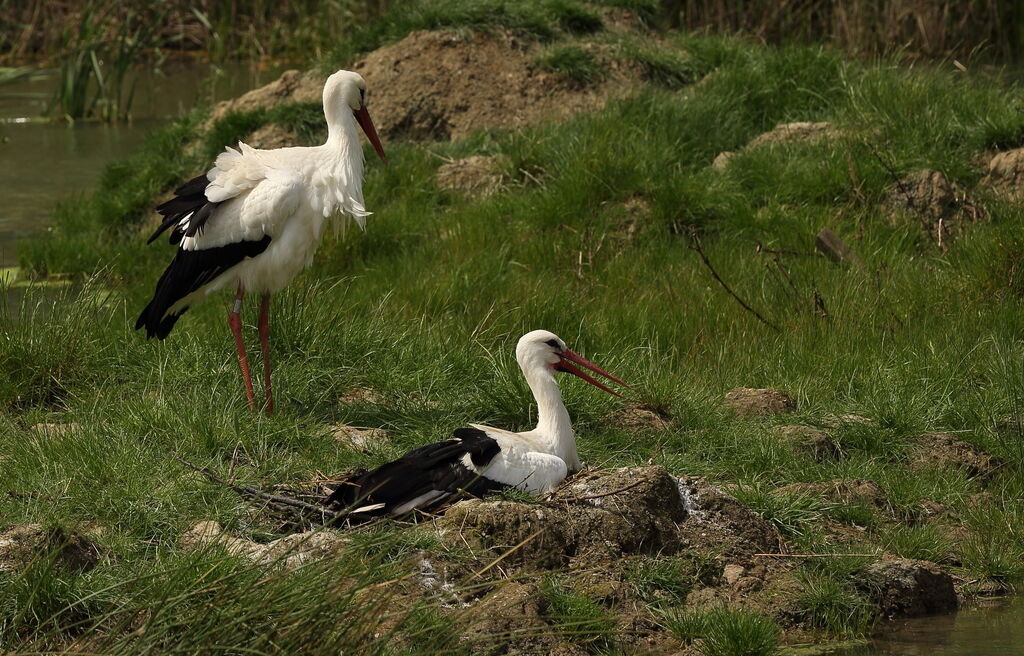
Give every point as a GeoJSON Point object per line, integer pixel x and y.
{"type": "Point", "coordinates": [508, 553]}
{"type": "Point", "coordinates": [250, 491]}
{"type": "Point", "coordinates": [895, 177]}
{"type": "Point", "coordinates": [704, 258]}
{"type": "Point", "coordinates": [596, 496]}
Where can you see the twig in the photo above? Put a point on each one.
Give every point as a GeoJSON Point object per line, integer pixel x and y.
{"type": "Point", "coordinates": [250, 491]}
{"type": "Point", "coordinates": [595, 496]}
{"type": "Point", "coordinates": [895, 177]}
{"type": "Point", "coordinates": [828, 555]}
{"type": "Point", "coordinates": [704, 258]}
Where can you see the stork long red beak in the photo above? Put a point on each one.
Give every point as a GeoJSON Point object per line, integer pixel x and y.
{"type": "Point", "coordinates": [568, 355]}
{"type": "Point", "coordinates": [365, 122]}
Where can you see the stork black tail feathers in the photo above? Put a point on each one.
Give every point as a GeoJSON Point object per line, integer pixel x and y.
{"type": "Point", "coordinates": [188, 211]}
{"type": "Point", "coordinates": [188, 271]}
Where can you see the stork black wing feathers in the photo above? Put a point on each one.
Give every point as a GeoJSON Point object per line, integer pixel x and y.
{"type": "Point", "coordinates": [189, 203]}
{"type": "Point", "coordinates": [434, 470]}
{"type": "Point", "coordinates": [188, 271]}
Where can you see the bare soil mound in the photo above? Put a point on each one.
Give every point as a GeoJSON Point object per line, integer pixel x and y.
{"type": "Point", "coordinates": [943, 208]}
{"type": "Point", "coordinates": [444, 85]}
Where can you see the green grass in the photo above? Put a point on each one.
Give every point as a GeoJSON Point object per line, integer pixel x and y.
{"type": "Point", "coordinates": [725, 631]}
{"type": "Point", "coordinates": [424, 308]}
{"type": "Point", "coordinates": [834, 606]}
{"type": "Point", "coordinates": [572, 61]}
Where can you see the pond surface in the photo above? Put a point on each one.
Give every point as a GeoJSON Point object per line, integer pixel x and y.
{"type": "Point", "coordinates": [44, 162]}
{"type": "Point", "coordinates": [980, 629]}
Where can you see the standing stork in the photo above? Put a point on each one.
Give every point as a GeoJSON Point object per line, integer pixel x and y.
{"type": "Point", "coordinates": [254, 221]}
{"type": "Point", "coordinates": [480, 459]}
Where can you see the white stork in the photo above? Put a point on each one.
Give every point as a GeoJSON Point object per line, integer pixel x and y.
{"type": "Point", "coordinates": [480, 459]}
{"type": "Point", "coordinates": [254, 221]}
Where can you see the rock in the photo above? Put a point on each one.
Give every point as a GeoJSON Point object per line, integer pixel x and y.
{"type": "Point", "coordinates": [362, 439]}
{"type": "Point", "coordinates": [638, 416]}
{"type": "Point", "coordinates": [943, 208]}
{"type": "Point", "coordinates": [642, 519]}
{"type": "Point", "coordinates": [293, 86]}
{"type": "Point", "coordinates": [909, 588]}
{"type": "Point", "coordinates": [23, 544]}
{"type": "Point", "coordinates": [812, 441]}
{"type": "Point", "coordinates": [947, 450]}
{"type": "Point", "coordinates": [752, 402]}
{"type": "Point", "coordinates": [1006, 173]}
{"type": "Point", "coordinates": [478, 175]}
{"type": "Point", "coordinates": [273, 135]}
{"type": "Point", "coordinates": [790, 132]}
{"type": "Point", "coordinates": [291, 550]}
{"type": "Point", "coordinates": [56, 430]}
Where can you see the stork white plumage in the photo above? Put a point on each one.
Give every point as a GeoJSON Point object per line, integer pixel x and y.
{"type": "Point", "coordinates": [254, 221]}
{"type": "Point", "coordinates": [481, 459]}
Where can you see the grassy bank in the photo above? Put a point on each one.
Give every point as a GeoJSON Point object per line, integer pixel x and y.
{"type": "Point", "coordinates": [592, 238]}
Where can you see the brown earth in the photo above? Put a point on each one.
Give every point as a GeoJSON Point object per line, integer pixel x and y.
{"type": "Point", "coordinates": [478, 175]}
{"type": "Point", "coordinates": [909, 588]}
{"type": "Point", "coordinates": [21, 545]}
{"type": "Point", "coordinates": [817, 443]}
{"type": "Point", "coordinates": [1006, 173]}
{"type": "Point", "coordinates": [639, 416]}
{"type": "Point", "coordinates": [781, 134]}
{"type": "Point", "coordinates": [947, 450]}
{"type": "Point", "coordinates": [753, 402]}
{"type": "Point", "coordinates": [444, 85]}
{"type": "Point", "coordinates": [943, 208]}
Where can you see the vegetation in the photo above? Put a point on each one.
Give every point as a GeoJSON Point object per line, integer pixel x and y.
{"type": "Point", "coordinates": [593, 237]}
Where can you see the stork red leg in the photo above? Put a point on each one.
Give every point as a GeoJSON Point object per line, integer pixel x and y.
{"type": "Point", "coordinates": [235, 321]}
{"type": "Point", "coordinates": [264, 326]}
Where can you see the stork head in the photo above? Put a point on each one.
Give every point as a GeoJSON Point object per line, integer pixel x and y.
{"type": "Point", "coordinates": [346, 91]}
{"type": "Point", "coordinates": [542, 349]}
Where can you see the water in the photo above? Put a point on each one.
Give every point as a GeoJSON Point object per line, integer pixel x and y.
{"type": "Point", "coordinates": [982, 629]}
{"type": "Point", "coordinates": [44, 162]}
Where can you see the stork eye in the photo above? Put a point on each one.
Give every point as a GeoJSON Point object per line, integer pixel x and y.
{"type": "Point", "coordinates": [553, 343]}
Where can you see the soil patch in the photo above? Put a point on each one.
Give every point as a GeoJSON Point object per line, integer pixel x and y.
{"type": "Point", "coordinates": [909, 588]}
{"type": "Point", "coordinates": [444, 85]}
{"type": "Point", "coordinates": [21, 545]}
{"type": "Point", "coordinates": [948, 450]}
{"type": "Point", "coordinates": [1006, 173]}
{"type": "Point", "coordinates": [290, 551]}
{"type": "Point", "coordinates": [478, 175]}
{"type": "Point", "coordinates": [943, 208]}
{"type": "Point", "coordinates": [753, 402]}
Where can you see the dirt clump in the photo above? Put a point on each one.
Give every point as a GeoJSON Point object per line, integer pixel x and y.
{"type": "Point", "coordinates": [843, 491]}
{"type": "Point", "coordinates": [720, 522]}
{"type": "Point", "coordinates": [21, 545]}
{"type": "Point", "coordinates": [782, 133]}
{"type": "Point", "coordinates": [950, 451]}
{"type": "Point", "coordinates": [847, 419]}
{"type": "Point", "coordinates": [790, 132]}
{"type": "Point", "coordinates": [595, 518]}
{"type": "Point", "coordinates": [639, 416]}
{"type": "Point", "coordinates": [361, 439]}
{"type": "Point", "coordinates": [1006, 173]}
{"type": "Point", "coordinates": [361, 395]}
{"type": "Point", "coordinates": [513, 608]}
{"type": "Point", "coordinates": [817, 443]}
{"type": "Point", "coordinates": [290, 550]}
{"type": "Point", "coordinates": [909, 588]}
{"type": "Point", "coordinates": [292, 87]}
{"type": "Point", "coordinates": [444, 85]}
{"type": "Point", "coordinates": [943, 208]}
{"type": "Point", "coordinates": [272, 136]}
{"type": "Point", "coordinates": [753, 402]}
{"type": "Point", "coordinates": [479, 175]}
{"type": "Point", "coordinates": [56, 430]}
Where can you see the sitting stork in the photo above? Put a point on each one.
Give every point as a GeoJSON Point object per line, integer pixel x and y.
{"type": "Point", "coordinates": [481, 459]}
{"type": "Point", "coordinates": [254, 221]}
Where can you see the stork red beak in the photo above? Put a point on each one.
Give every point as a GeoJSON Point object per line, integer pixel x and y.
{"type": "Point", "coordinates": [365, 122]}
{"type": "Point", "coordinates": [568, 356]}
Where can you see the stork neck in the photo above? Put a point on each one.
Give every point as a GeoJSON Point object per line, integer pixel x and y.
{"type": "Point", "coordinates": [341, 127]}
{"type": "Point", "coordinates": [553, 423]}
